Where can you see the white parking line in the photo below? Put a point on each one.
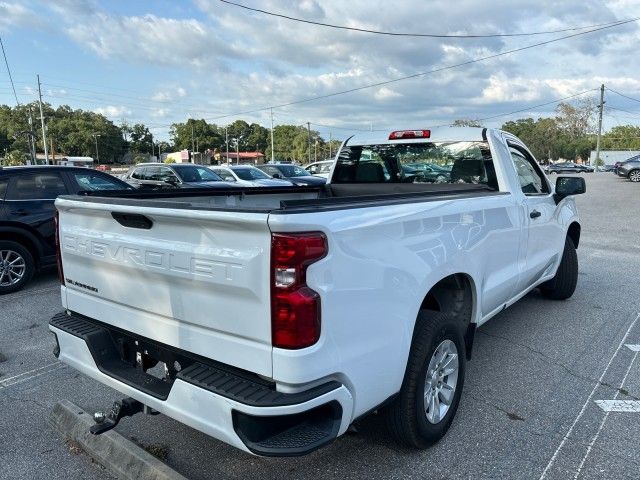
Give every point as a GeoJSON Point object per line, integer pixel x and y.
{"type": "Point", "coordinates": [633, 348]}
{"type": "Point", "coordinates": [4, 380]}
{"type": "Point", "coordinates": [619, 406]}
{"type": "Point", "coordinates": [606, 415]}
{"type": "Point", "coordinates": [25, 379]}
{"type": "Point", "coordinates": [586, 403]}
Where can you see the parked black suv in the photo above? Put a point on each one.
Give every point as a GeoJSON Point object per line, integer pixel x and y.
{"type": "Point", "coordinates": [27, 227]}
{"type": "Point", "coordinates": [174, 175]}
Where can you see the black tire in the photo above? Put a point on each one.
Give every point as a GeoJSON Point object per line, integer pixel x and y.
{"type": "Point", "coordinates": [29, 266]}
{"type": "Point", "coordinates": [406, 416]}
{"type": "Point", "coordinates": [634, 176]}
{"type": "Point", "coordinates": [564, 283]}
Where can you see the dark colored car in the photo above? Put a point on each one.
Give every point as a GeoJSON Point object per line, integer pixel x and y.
{"type": "Point", "coordinates": [617, 165]}
{"type": "Point", "coordinates": [428, 172]}
{"type": "Point", "coordinates": [568, 167]}
{"type": "Point", "coordinates": [631, 170]}
{"type": "Point", "coordinates": [27, 227]}
{"type": "Point", "coordinates": [293, 173]}
{"type": "Point", "coordinates": [174, 175]}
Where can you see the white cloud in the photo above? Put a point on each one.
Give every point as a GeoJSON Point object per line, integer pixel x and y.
{"type": "Point", "coordinates": [15, 15]}
{"type": "Point", "coordinates": [113, 111]}
{"type": "Point", "coordinates": [150, 39]}
{"type": "Point", "coordinates": [386, 93]}
{"type": "Point", "coordinates": [226, 60]}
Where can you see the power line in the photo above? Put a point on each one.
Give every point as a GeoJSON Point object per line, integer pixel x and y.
{"type": "Point", "coordinates": [537, 106]}
{"type": "Point", "coordinates": [623, 95]}
{"type": "Point", "coordinates": [416, 75]}
{"type": "Point", "coordinates": [6, 62]}
{"type": "Point", "coordinates": [424, 35]}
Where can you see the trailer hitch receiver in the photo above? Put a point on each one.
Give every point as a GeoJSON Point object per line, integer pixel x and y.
{"type": "Point", "coordinates": [127, 407]}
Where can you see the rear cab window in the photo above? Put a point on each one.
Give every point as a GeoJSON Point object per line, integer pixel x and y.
{"type": "Point", "coordinates": [458, 162]}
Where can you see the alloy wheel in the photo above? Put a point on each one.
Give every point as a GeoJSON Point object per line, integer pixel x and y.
{"type": "Point", "coordinates": [12, 268]}
{"type": "Point", "coordinates": [441, 381]}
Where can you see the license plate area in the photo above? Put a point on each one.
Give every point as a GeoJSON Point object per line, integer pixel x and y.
{"type": "Point", "coordinates": [140, 363]}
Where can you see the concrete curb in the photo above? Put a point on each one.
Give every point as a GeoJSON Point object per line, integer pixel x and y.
{"type": "Point", "coordinates": [120, 456]}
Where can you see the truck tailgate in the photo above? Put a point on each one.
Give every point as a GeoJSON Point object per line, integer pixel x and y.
{"type": "Point", "coordinates": [197, 280]}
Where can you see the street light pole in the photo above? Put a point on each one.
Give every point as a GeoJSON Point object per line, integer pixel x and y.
{"type": "Point", "coordinates": [95, 136]}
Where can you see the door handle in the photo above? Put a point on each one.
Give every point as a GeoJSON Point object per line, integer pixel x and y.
{"type": "Point", "coordinates": [535, 214]}
{"type": "Point", "coordinates": [20, 211]}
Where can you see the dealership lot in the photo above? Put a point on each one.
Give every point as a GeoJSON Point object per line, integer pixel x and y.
{"type": "Point", "coordinates": [529, 407]}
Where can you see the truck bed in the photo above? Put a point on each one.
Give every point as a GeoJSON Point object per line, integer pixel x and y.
{"type": "Point", "coordinates": [290, 200]}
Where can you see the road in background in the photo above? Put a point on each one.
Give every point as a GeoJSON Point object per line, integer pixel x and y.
{"type": "Point", "coordinates": [528, 410]}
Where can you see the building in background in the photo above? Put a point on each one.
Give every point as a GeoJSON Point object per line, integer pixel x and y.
{"type": "Point", "coordinates": [242, 158]}
{"type": "Point", "coordinates": [609, 157]}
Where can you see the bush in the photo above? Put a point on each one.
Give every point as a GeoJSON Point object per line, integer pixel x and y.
{"type": "Point", "coordinates": [15, 158]}
{"type": "Point", "coordinates": [169, 160]}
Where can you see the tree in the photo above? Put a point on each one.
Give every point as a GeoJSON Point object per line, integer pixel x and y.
{"type": "Point", "coordinates": [196, 135]}
{"type": "Point", "coordinates": [576, 120]}
{"type": "Point", "coordinates": [622, 137]}
{"type": "Point", "coordinates": [15, 158]}
{"type": "Point", "coordinates": [140, 139]}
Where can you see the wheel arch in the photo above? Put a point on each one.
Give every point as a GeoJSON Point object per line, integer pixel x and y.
{"type": "Point", "coordinates": [573, 232]}
{"type": "Point", "coordinates": [23, 237]}
{"type": "Point", "coordinates": [456, 294]}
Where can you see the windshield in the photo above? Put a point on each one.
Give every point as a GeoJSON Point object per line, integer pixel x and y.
{"type": "Point", "coordinates": [196, 174]}
{"type": "Point", "coordinates": [437, 162]}
{"type": "Point", "coordinates": [292, 171]}
{"type": "Point", "coordinates": [250, 173]}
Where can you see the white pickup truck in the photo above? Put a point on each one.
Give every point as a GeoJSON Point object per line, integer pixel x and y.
{"type": "Point", "coordinates": [273, 318]}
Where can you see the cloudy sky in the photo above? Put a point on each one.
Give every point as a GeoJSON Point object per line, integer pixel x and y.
{"type": "Point", "coordinates": [163, 61]}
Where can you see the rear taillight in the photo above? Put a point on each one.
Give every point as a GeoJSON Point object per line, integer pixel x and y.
{"type": "Point", "coordinates": [58, 252]}
{"type": "Point", "coordinates": [295, 308]}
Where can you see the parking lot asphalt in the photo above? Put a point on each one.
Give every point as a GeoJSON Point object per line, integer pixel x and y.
{"type": "Point", "coordinates": [528, 411]}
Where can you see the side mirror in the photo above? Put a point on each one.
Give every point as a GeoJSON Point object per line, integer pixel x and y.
{"type": "Point", "coordinates": [566, 186]}
{"type": "Point", "coordinates": [276, 175]}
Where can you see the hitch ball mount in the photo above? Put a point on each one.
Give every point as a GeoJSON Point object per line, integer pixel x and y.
{"type": "Point", "coordinates": [127, 407]}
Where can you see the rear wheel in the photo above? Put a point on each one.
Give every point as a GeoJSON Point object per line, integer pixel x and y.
{"type": "Point", "coordinates": [564, 283]}
{"type": "Point", "coordinates": [16, 266]}
{"type": "Point", "coordinates": [423, 410]}
{"type": "Point", "coordinates": [634, 176]}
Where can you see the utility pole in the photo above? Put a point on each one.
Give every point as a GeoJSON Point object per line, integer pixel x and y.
{"type": "Point", "coordinates": [600, 110]}
{"type": "Point", "coordinates": [152, 147]}
{"type": "Point", "coordinates": [309, 139]}
{"type": "Point", "coordinates": [32, 142]}
{"type": "Point", "coordinates": [193, 144]}
{"type": "Point", "coordinates": [330, 156]}
{"type": "Point", "coordinates": [44, 135]}
{"type": "Point", "coordinates": [273, 158]}
{"type": "Point", "coordinates": [226, 136]}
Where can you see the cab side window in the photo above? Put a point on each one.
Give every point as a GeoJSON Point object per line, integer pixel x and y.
{"type": "Point", "coordinates": [139, 173]}
{"type": "Point", "coordinates": [36, 186]}
{"type": "Point", "coordinates": [531, 179]}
